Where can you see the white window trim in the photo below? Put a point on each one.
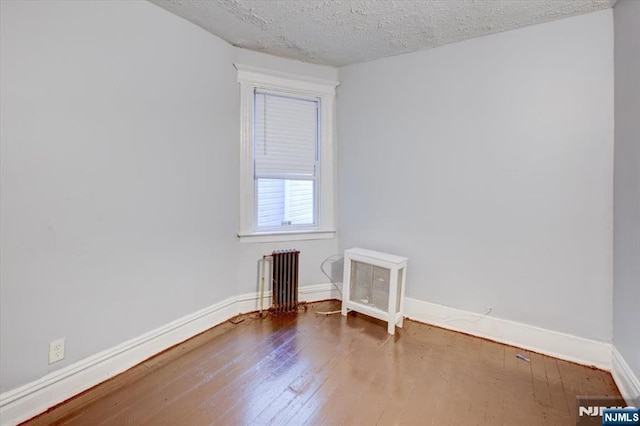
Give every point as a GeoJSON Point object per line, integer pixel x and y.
{"type": "Point", "coordinates": [251, 78]}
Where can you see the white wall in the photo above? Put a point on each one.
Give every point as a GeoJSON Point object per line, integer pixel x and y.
{"type": "Point", "coordinates": [119, 178]}
{"type": "Point", "coordinates": [626, 288]}
{"type": "Point", "coordinates": [118, 123]}
{"type": "Point", "coordinates": [489, 164]}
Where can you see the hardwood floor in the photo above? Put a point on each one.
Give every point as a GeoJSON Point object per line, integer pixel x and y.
{"type": "Point", "coordinates": [299, 369]}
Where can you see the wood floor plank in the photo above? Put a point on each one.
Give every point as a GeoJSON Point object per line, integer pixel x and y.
{"type": "Point", "coordinates": [266, 373]}
{"type": "Point", "coordinates": [556, 389]}
{"type": "Point", "coordinates": [245, 370]}
{"type": "Point", "coordinates": [541, 390]}
{"type": "Point", "coordinates": [175, 380]}
{"type": "Point", "coordinates": [346, 373]}
{"type": "Point", "coordinates": [271, 386]}
{"type": "Point", "coordinates": [307, 368]}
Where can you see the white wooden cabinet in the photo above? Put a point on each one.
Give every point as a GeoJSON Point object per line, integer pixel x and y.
{"type": "Point", "coordinates": [373, 284]}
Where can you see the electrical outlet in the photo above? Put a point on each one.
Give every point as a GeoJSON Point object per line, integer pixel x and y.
{"type": "Point", "coordinates": [56, 351]}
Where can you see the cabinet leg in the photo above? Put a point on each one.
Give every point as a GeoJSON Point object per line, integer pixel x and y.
{"type": "Point", "coordinates": [391, 328]}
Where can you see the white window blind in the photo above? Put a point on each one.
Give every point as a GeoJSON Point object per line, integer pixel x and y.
{"type": "Point", "coordinates": [286, 136]}
{"type": "Point", "coordinates": [285, 159]}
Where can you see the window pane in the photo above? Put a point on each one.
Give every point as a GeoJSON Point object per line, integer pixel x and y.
{"type": "Point", "coordinates": [285, 202]}
{"type": "Point", "coordinates": [270, 202]}
{"type": "Point", "coordinates": [299, 202]}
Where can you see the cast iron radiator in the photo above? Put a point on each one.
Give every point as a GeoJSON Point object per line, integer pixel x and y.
{"type": "Point", "coordinates": [285, 280]}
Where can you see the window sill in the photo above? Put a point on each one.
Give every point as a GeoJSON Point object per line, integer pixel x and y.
{"type": "Point", "coordinates": [271, 237]}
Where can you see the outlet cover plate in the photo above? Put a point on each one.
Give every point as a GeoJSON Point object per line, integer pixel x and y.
{"type": "Point", "coordinates": [56, 350]}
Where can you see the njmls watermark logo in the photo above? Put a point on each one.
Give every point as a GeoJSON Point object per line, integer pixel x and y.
{"type": "Point", "coordinates": [606, 411]}
{"type": "Point", "coordinates": [621, 416]}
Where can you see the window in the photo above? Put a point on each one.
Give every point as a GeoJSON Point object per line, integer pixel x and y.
{"type": "Point", "coordinates": [287, 156]}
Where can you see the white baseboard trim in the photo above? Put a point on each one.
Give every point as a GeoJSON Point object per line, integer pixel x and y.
{"type": "Point", "coordinates": [27, 401]}
{"type": "Point", "coordinates": [548, 342]}
{"type": "Point", "coordinates": [628, 383]}
{"type": "Point", "coordinates": [313, 293]}
{"type": "Point", "coordinates": [250, 302]}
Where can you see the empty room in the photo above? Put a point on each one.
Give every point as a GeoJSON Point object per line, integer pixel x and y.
{"type": "Point", "coordinates": [309, 212]}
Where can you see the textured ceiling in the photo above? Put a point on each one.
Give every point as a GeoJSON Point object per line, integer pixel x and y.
{"type": "Point", "coordinates": [339, 32]}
